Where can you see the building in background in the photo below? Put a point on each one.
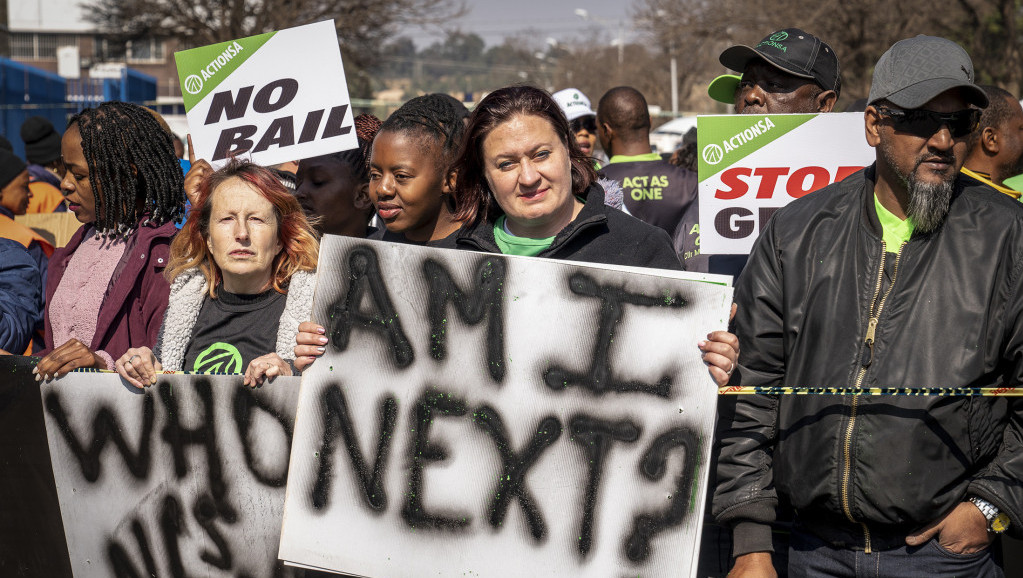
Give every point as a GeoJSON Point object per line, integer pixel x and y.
{"type": "Point", "coordinates": [54, 35]}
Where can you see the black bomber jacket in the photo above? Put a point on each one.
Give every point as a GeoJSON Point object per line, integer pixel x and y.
{"type": "Point", "coordinates": [944, 310]}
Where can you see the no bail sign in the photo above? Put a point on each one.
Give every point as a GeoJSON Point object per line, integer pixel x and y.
{"type": "Point", "coordinates": [752, 165]}
{"type": "Point", "coordinates": [253, 96]}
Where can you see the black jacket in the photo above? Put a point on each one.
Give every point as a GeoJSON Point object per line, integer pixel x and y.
{"type": "Point", "coordinates": [865, 471]}
{"type": "Point", "coordinates": [600, 234]}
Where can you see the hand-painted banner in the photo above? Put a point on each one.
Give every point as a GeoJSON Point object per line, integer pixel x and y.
{"type": "Point", "coordinates": [485, 415]}
{"type": "Point", "coordinates": [185, 479]}
{"type": "Point", "coordinates": [752, 165]}
{"type": "Point", "coordinates": [276, 97]}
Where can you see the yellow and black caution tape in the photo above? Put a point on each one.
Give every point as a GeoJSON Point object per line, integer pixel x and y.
{"type": "Point", "coordinates": [946, 391]}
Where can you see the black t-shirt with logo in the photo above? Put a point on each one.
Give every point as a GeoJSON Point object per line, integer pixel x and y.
{"type": "Point", "coordinates": [656, 191]}
{"type": "Point", "coordinates": [232, 330]}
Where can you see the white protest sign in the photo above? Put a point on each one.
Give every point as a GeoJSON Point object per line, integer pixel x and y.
{"type": "Point", "coordinates": [186, 479]}
{"type": "Point", "coordinates": [752, 165]}
{"type": "Point", "coordinates": [275, 97]}
{"type": "Point", "coordinates": [486, 415]}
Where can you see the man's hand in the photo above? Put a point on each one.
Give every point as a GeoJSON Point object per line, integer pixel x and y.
{"type": "Point", "coordinates": [961, 531]}
{"type": "Point", "coordinates": [753, 565]}
{"type": "Point", "coordinates": [72, 355]}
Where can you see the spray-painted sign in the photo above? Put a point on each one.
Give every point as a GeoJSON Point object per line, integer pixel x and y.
{"type": "Point", "coordinates": [185, 479]}
{"type": "Point", "coordinates": [752, 165]}
{"type": "Point", "coordinates": [488, 415]}
{"type": "Point", "coordinates": [276, 97]}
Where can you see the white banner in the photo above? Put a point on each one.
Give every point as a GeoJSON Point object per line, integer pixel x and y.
{"type": "Point", "coordinates": [752, 165]}
{"type": "Point", "coordinates": [186, 479]}
{"type": "Point", "coordinates": [486, 415]}
{"type": "Point", "coordinates": [275, 97]}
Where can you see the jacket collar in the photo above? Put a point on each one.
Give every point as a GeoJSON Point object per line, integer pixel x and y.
{"type": "Point", "coordinates": [137, 257]}
{"type": "Point", "coordinates": [869, 214]}
{"type": "Point", "coordinates": [480, 236]}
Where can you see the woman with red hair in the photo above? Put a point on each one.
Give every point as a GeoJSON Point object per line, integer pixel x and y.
{"type": "Point", "coordinates": [242, 273]}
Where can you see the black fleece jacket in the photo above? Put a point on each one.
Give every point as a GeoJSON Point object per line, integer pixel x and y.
{"type": "Point", "coordinates": [600, 234]}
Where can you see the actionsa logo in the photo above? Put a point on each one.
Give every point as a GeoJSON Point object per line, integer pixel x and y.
{"type": "Point", "coordinates": [712, 154]}
{"type": "Point", "coordinates": [193, 84]}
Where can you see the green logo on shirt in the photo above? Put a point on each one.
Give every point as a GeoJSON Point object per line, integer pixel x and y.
{"type": "Point", "coordinates": [219, 358]}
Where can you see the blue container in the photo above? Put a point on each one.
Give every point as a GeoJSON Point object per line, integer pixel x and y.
{"type": "Point", "coordinates": [28, 91]}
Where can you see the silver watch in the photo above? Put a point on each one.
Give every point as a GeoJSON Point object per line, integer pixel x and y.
{"type": "Point", "coordinates": [997, 522]}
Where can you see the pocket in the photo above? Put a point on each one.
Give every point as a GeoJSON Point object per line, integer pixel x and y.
{"type": "Point", "coordinates": [956, 556]}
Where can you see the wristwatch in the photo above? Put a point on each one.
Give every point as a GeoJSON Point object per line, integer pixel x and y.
{"type": "Point", "coordinates": [997, 522]}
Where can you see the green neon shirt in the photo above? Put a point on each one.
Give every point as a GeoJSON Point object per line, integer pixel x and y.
{"type": "Point", "coordinates": [523, 246]}
{"type": "Point", "coordinates": [895, 230]}
{"type": "Point", "coordinates": [634, 158]}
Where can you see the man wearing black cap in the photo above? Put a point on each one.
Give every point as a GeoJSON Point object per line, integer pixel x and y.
{"type": "Point", "coordinates": [42, 150]}
{"type": "Point", "coordinates": [789, 71]}
{"type": "Point", "coordinates": [899, 276]}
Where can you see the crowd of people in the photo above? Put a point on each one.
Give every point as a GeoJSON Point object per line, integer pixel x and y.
{"type": "Point", "coordinates": [905, 274]}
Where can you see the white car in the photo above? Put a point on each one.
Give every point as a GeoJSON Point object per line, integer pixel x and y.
{"type": "Point", "coordinates": [667, 137]}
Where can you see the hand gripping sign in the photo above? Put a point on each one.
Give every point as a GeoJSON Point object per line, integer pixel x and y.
{"type": "Point", "coordinates": [274, 97]}
{"type": "Point", "coordinates": [491, 415]}
{"type": "Point", "coordinates": [752, 165]}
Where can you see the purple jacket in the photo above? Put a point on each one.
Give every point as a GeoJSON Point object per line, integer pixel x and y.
{"type": "Point", "coordinates": [136, 296]}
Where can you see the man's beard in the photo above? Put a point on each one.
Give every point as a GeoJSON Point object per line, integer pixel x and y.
{"type": "Point", "coordinates": [928, 202]}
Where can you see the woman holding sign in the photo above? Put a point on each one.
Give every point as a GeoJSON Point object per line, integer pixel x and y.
{"type": "Point", "coordinates": [525, 188]}
{"type": "Point", "coordinates": [242, 274]}
{"type": "Point", "coordinates": [105, 290]}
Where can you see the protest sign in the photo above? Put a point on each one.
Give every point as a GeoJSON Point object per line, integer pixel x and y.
{"type": "Point", "coordinates": [752, 165]}
{"type": "Point", "coordinates": [487, 415]}
{"type": "Point", "coordinates": [185, 479]}
{"type": "Point", "coordinates": [277, 97]}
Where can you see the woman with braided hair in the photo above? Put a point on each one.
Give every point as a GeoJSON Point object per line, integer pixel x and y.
{"type": "Point", "coordinates": [410, 178]}
{"type": "Point", "coordinates": [334, 189]}
{"type": "Point", "coordinates": [105, 291]}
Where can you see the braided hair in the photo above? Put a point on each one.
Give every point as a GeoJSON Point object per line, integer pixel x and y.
{"type": "Point", "coordinates": [366, 128]}
{"type": "Point", "coordinates": [132, 166]}
{"type": "Point", "coordinates": [438, 116]}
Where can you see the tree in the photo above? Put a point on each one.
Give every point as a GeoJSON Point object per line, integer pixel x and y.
{"type": "Point", "coordinates": [858, 31]}
{"type": "Point", "coordinates": [362, 25]}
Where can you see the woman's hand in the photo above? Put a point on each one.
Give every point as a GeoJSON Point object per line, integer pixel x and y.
{"type": "Point", "coordinates": [139, 367]}
{"type": "Point", "coordinates": [721, 353]}
{"type": "Point", "coordinates": [195, 175]}
{"type": "Point", "coordinates": [72, 355]}
{"type": "Point", "coordinates": [268, 366]}
{"type": "Point", "coordinates": [309, 344]}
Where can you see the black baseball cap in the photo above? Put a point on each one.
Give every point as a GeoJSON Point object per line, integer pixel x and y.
{"type": "Point", "coordinates": [792, 51]}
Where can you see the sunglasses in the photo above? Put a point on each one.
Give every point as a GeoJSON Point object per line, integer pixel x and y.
{"type": "Point", "coordinates": [925, 123]}
{"type": "Point", "coordinates": [586, 122]}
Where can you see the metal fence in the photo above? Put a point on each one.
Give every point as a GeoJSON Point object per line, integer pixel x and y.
{"type": "Point", "coordinates": [27, 91]}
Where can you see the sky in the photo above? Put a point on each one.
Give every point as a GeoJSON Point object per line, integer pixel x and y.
{"type": "Point", "coordinates": [491, 19]}
{"type": "Point", "coordinates": [495, 19]}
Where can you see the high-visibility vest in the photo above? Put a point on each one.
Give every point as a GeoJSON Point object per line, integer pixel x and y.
{"type": "Point", "coordinates": [45, 197]}
{"type": "Point", "coordinates": [9, 229]}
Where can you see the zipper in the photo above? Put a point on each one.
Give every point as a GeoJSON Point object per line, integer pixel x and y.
{"type": "Point", "coordinates": [868, 357]}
